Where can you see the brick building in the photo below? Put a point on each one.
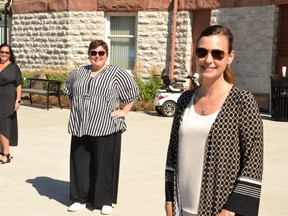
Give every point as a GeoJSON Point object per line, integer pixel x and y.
{"type": "Point", "coordinates": [56, 34]}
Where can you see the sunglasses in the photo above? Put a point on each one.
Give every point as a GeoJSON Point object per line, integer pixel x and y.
{"type": "Point", "coordinates": [3, 52]}
{"type": "Point", "coordinates": [216, 54]}
{"type": "Point", "coordinates": [100, 53]}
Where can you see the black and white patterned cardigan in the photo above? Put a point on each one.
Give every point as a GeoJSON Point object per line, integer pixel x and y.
{"type": "Point", "coordinates": [233, 164]}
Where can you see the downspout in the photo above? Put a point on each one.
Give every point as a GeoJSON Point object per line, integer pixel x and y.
{"type": "Point", "coordinates": [173, 39]}
{"type": "Point", "coordinates": [7, 4]}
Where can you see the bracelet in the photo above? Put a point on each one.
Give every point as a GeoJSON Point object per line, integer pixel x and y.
{"type": "Point", "coordinates": [18, 101]}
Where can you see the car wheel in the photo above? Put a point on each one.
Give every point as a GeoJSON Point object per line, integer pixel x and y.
{"type": "Point", "coordinates": [168, 108]}
{"type": "Point", "coordinates": [158, 110]}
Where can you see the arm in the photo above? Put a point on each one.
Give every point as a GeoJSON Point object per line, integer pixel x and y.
{"type": "Point", "coordinates": [225, 212]}
{"type": "Point", "coordinates": [170, 172]}
{"type": "Point", "coordinates": [170, 169]}
{"type": "Point", "coordinates": [18, 87]}
{"type": "Point", "coordinates": [122, 112]}
{"type": "Point", "coordinates": [18, 97]}
{"type": "Point", "coordinates": [69, 100]}
{"type": "Point", "coordinates": [245, 197]}
{"type": "Point", "coordinates": [169, 197]}
{"type": "Point", "coordinates": [169, 208]}
{"type": "Point", "coordinates": [128, 92]}
{"type": "Point", "coordinates": [67, 88]}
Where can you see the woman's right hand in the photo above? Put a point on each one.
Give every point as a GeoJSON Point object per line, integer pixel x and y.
{"type": "Point", "coordinates": [225, 212]}
{"type": "Point", "coordinates": [169, 209]}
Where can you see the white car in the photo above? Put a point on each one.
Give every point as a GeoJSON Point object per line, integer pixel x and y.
{"type": "Point", "coordinates": [166, 99]}
{"type": "Point", "coordinates": [165, 102]}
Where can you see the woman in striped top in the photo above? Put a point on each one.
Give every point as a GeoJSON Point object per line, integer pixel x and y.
{"type": "Point", "coordinates": [96, 123]}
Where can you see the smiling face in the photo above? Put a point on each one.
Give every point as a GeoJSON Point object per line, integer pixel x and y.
{"type": "Point", "coordinates": [209, 67]}
{"type": "Point", "coordinates": [5, 53]}
{"type": "Point", "coordinates": [97, 58]}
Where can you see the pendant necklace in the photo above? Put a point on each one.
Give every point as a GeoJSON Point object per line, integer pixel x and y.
{"type": "Point", "coordinates": [202, 106]}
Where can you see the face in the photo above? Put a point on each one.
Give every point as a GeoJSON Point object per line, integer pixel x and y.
{"type": "Point", "coordinates": [4, 54]}
{"type": "Point", "coordinates": [98, 57]}
{"type": "Point", "coordinates": [213, 57]}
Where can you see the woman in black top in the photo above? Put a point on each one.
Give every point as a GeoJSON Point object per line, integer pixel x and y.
{"type": "Point", "coordinates": [10, 98]}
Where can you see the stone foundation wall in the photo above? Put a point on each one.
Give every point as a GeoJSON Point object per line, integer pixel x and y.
{"type": "Point", "coordinates": [255, 34]}
{"type": "Point", "coordinates": [60, 40]}
{"type": "Point", "coordinates": [55, 40]}
{"type": "Point", "coordinates": [154, 41]}
{"type": "Point", "coordinates": [255, 31]}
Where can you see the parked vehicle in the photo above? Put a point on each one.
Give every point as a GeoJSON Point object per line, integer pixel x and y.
{"type": "Point", "coordinates": [166, 98]}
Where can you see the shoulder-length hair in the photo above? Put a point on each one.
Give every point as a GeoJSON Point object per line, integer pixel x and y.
{"type": "Point", "coordinates": [12, 57]}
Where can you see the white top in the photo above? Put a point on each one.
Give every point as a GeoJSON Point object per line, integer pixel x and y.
{"type": "Point", "coordinates": [193, 135]}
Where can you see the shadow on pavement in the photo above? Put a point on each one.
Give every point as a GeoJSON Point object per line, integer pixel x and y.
{"type": "Point", "coordinates": [153, 113]}
{"type": "Point", "coordinates": [52, 188]}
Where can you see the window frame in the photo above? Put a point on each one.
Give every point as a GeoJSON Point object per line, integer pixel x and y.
{"type": "Point", "coordinates": [108, 35]}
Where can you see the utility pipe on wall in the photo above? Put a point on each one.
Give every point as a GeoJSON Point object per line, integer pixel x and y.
{"type": "Point", "coordinates": [7, 4]}
{"type": "Point", "coordinates": [173, 39]}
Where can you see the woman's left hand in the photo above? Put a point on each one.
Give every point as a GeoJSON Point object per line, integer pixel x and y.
{"type": "Point", "coordinates": [117, 114]}
{"type": "Point", "coordinates": [16, 106]}
{"type": "Point", "coordinates": [225, 212]}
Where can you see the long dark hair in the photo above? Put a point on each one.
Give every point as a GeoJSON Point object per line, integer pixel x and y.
{"type": "Point", "coordinates": [229, 75]}
{"type": "Point", "coordinates": [12, 57]}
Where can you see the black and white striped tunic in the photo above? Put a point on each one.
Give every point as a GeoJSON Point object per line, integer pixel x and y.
{"type": "Point", "coordinates": [94, 98]}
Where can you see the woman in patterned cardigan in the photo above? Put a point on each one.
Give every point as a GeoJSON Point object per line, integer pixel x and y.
{"type": "Point", "coordinates": [215, 156]}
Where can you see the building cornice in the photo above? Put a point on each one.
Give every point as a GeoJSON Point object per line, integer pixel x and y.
{"type": "Point", "coordinates": [35, 6]}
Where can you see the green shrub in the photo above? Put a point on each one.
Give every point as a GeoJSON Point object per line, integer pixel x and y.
{"type": "Point", "coordinates": [148, 88]}
{"type": "Point", "coordinates": [58, 76]}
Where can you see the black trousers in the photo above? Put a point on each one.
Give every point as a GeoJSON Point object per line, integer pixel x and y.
{"type": "Point", "coordinates": [94, 169]}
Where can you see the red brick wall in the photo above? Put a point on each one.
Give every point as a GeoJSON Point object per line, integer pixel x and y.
{"type": "Point", "coordinates": [208, 4]}
{"type": "Point", "coordinates": [32, 6]}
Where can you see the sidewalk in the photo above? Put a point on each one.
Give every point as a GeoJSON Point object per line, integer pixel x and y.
{"type": "Point", "coordinates": [36, 182]}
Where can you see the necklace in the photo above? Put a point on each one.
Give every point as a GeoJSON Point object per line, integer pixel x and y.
{"type": "Point", "coordinates": [203, 107]}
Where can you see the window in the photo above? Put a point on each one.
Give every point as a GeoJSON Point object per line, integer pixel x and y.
{"type": "Point", "coordinates": [122, 40]}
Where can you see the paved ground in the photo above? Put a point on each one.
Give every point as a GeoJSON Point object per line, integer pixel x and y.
{"type": "Point", "coordinates": [36, 182]}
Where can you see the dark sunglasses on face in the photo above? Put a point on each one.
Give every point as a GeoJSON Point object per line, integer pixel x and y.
{"type": "Point", "coordinates": [100, 53]}
{"type": "Point", "coordinates": [3, 52]}
{"type": "Point", "coordinates": [216, 54]}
